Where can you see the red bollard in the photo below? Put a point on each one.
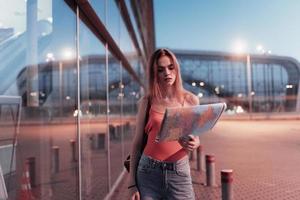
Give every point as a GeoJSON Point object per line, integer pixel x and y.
{"type": "Point", "coordinates": [55, 159]}
{"type": "Point", "coordinates": [227, 184]}
{"type": "Point", "coordinates": [191, 155]}
{"type": "Point", "coordinates": [200, 158]}
{"type": "Point", "coordinates": [210, 170]}
{"type": "Point", "coordinates": [73, 150]}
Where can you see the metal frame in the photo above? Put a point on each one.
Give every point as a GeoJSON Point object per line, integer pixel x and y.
{"type": "Point", "coordinates": [137, 8]}
{"type": "Point", "coordinates": [88, 16]}
{"type": "Point", "coordinates": [125, 15]}
{"type": "Point", "coordinates": [17, 101]}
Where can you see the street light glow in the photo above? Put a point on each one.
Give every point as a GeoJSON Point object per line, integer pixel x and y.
{"type": "Point", "coordinates": [217, 90]}
{"type": "Point", "coordinates": [33, 94]}
{"type": "Point", "coordinates": [259, 48]}
{"type": "Point", "coordinates": [50, 19]}
{"type": "Point", "coordinates": [239, 46]}
{"type": "Point", "coordinates": [50, 56]}
{"type": "Point", "coordinates": [67, 53]}
{"type": "Point", "coordinates": [200, 94]}
{"type": "Point", "coordinates": [239, 109]}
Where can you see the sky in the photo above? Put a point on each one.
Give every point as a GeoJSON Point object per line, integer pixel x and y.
{"type": "Point", "coordinates": [229, 25]}
{"type": "Point", "coordinates": [14, 14]}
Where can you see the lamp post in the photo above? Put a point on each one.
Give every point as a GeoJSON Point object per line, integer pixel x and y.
{"type": "Point", "coordinates": [249, 83]}
{"type": "Point", "coordinates": [240, 48]}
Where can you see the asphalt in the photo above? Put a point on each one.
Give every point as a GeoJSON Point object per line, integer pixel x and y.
{"type": "Point", "coordinates": [264, 156]}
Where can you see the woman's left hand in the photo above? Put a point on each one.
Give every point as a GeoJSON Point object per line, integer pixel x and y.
{"type": "Point", "coordinates": [189, 142]}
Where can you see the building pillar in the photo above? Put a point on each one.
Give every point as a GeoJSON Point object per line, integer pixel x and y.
{"type": "Point", "coordinates": [32, 87]}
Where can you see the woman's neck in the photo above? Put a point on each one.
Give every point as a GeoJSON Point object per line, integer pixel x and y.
{"type": "Point", "coordinates": [168, 93]}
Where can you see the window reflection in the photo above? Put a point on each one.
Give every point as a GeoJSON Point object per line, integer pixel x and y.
{"type": "Point", "coordinates": [93, 123]}
{"type": "Point", "coordinates": [34, 69]}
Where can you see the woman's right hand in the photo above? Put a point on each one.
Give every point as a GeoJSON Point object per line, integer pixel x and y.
{"type": "Point", "coordinates": [134, 193]}
{"type": "Point", "coordinates": [189, 142]}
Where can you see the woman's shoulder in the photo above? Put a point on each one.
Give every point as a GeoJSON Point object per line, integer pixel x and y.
{"type": "Point", "coordinates": [143, 104]}
{"type": "Point", "coordinates": [190, 98]}
{"type": "Point", "coordinates": [144, 100]}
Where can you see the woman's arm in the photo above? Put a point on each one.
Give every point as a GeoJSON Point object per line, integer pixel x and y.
{"type": "Point", "coordinates": [190, 142]}
{"type": "Point", "coordinates": [138, 139]}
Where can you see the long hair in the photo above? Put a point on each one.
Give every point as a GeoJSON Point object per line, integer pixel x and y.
{"type": "Point", "coordinates": [154, 89]}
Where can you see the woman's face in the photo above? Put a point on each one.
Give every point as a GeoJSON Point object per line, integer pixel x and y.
{"type": "Point", "coordinates": [165, 71]}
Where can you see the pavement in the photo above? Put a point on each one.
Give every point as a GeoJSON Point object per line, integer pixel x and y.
{"type": "Point", "coordinates": [264, 156]}
{"type": "Point", "coordinates": [36, 141]}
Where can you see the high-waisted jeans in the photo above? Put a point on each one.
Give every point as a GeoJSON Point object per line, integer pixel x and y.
{"type": "Point", "coordinates": [164, 180]}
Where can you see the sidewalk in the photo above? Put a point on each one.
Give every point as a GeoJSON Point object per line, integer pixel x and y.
{"type": "Point", "coordinates": [264, 156]}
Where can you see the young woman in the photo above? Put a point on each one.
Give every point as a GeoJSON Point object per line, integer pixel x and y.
{"type": "Point", "coordinates": [162, 171]}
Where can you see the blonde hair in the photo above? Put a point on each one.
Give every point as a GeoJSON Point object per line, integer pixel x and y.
{"type": "Point", "coordinates": [154, 89]}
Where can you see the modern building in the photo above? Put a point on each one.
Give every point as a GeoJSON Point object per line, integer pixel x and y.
{"type": "Point", "coordinates": [247, 83]}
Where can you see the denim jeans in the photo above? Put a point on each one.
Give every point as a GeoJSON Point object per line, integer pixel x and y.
{"type": "Point", "coordinates": [164, 180]}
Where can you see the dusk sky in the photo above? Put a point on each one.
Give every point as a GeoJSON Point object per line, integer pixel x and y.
{"type": "Point", "coordinates": [229, 25]}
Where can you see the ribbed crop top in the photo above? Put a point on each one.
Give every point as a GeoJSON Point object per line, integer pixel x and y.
{"type": "Point", "coordinates": [164, 151]}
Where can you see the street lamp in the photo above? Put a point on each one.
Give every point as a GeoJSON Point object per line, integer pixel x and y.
{"type": "Point", "coordinates": [67, 53]}
{"type": "Point", "coordinates": [200, 95]}
{"type": "Point", "coordinates": [249, 83]}
{"type": "Point", "coordinates": [260, 49]}
{"type": "Point", "coordinates": [50, 57]}
{"type": "Point", "coordinates": [239, 46]}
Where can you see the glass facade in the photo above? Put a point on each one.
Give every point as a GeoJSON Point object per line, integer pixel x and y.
{"type": "Point", "coordinates": [248, 84]}
{"type": "Point", "coordinates": [68, 95]}
{"type": "Point", "coordinates": [130, 11]}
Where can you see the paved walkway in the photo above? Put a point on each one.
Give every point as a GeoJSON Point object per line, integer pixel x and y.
{"type": "Point", "coordinates": [264, 155]}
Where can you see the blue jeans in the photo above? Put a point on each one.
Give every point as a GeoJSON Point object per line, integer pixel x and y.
{"type": "Point", "coordinates": [164, 180]}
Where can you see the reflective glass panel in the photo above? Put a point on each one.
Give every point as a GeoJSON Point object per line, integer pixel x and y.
{"type": "Point", "coordinates": [93, 116]}
{"type": "Point", "coordinates": [37, 48]}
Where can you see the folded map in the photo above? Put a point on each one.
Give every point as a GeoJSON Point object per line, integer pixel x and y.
{"type": "Point", "coordinates": [181, 121]}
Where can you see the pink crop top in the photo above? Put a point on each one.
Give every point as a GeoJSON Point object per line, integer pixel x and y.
{"type": "Point", "coordinates": [164, 151]}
